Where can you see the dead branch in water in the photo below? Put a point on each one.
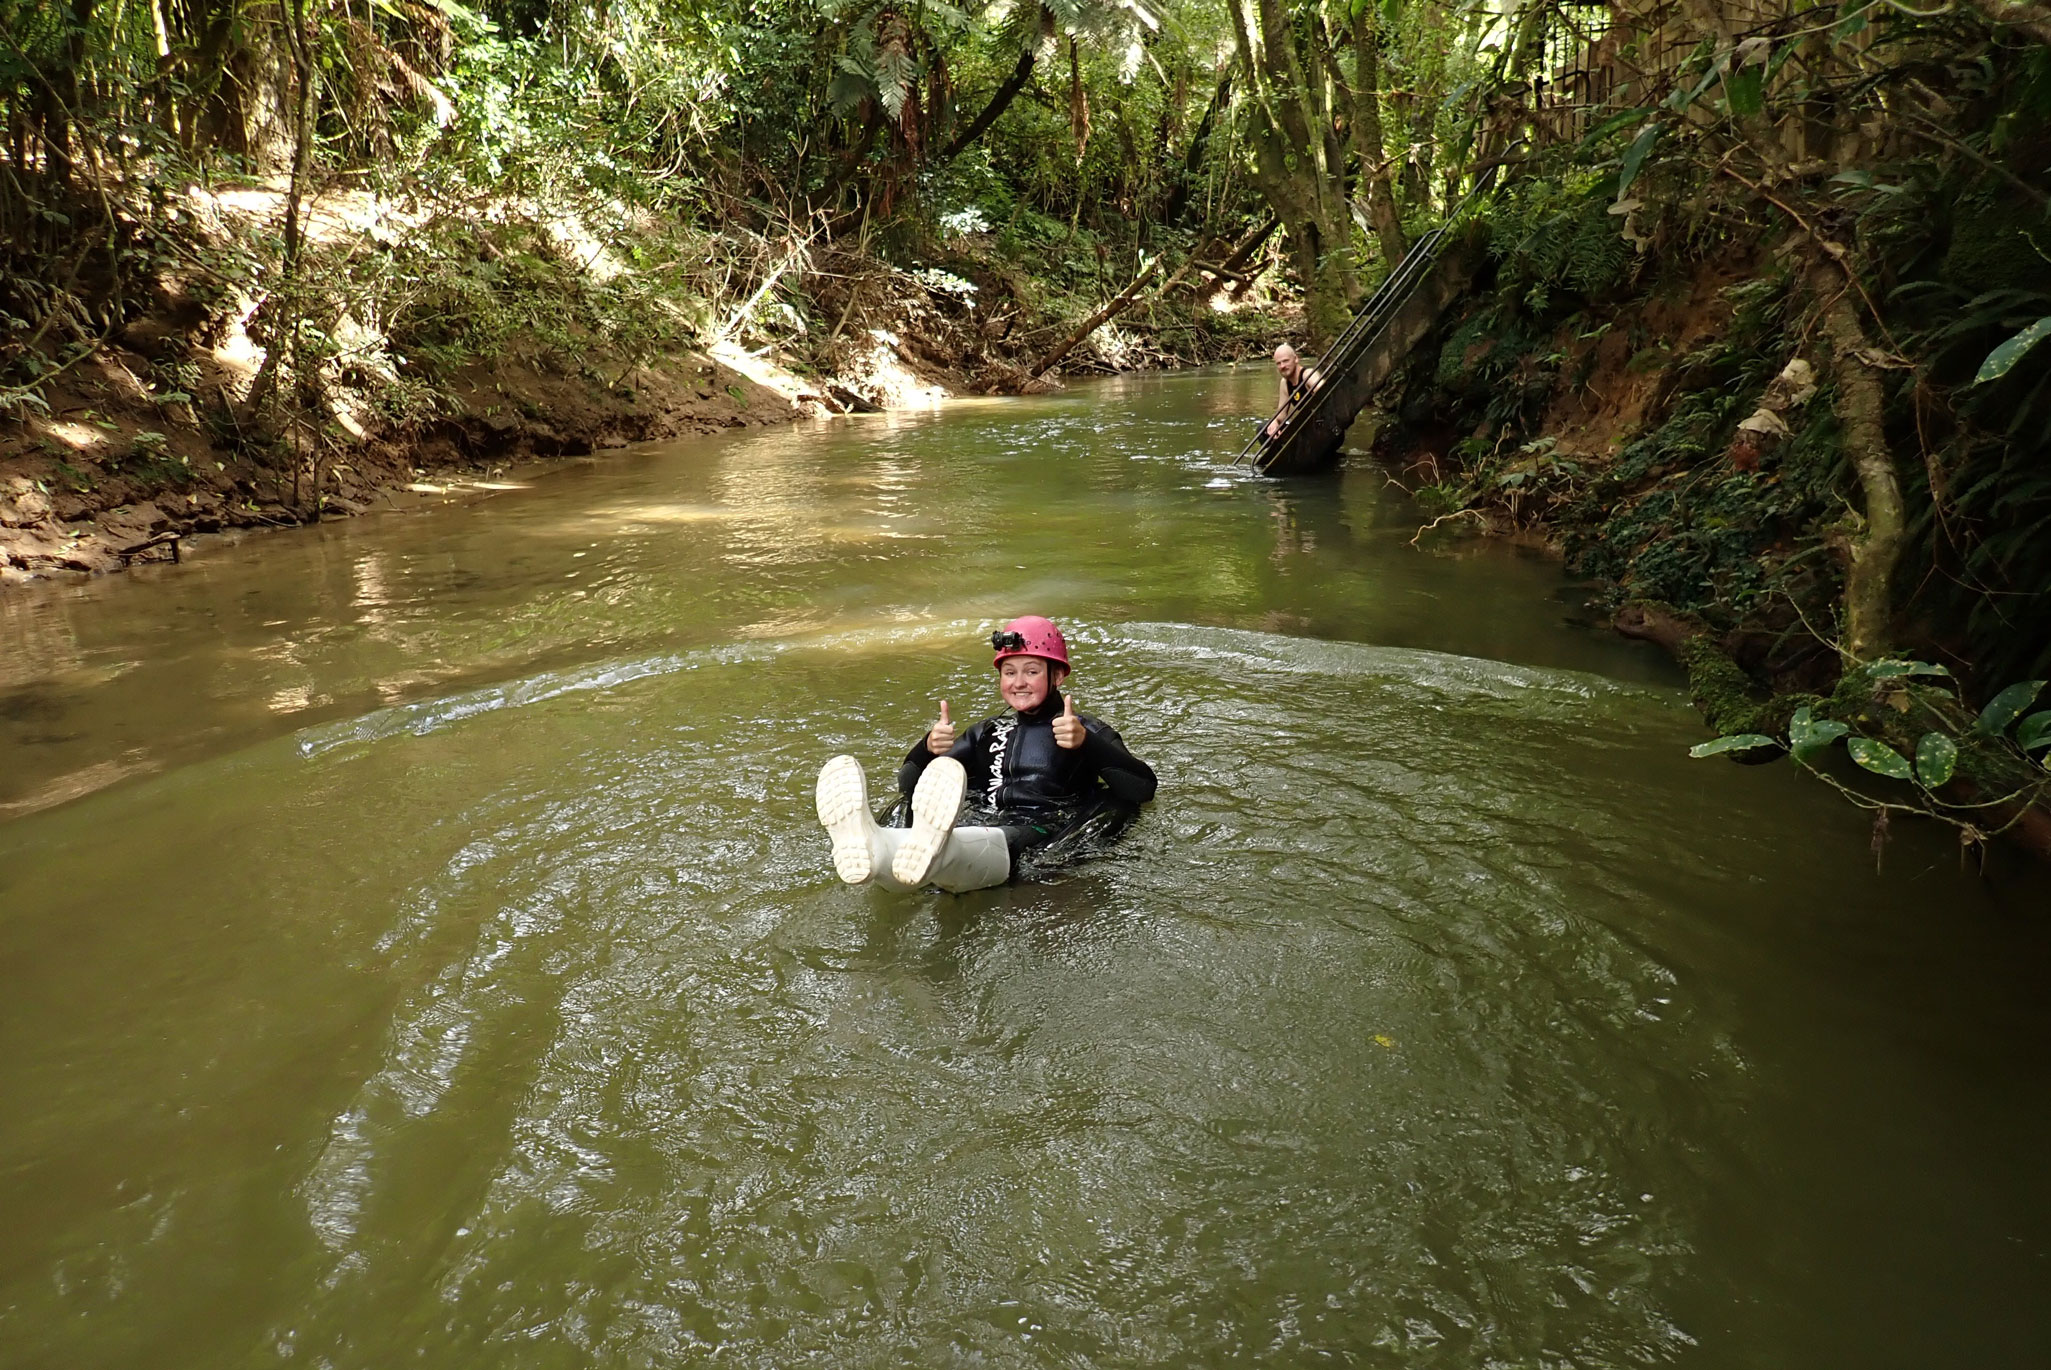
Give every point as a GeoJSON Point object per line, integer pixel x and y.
{"type": "Point", "coordinates": [1121, 302]}
{"type": "Point", "coordinates": [1474, 514]}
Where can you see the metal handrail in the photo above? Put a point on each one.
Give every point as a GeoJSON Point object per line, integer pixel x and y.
{"type": "Point", "coordinates": [1366, 327]}
{"type": "Point", "coordinates": [1337, 361]}
{"type": "Point", "coordinates": [1396, 281]}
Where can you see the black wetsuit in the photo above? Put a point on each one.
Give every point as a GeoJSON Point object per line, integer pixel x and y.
{"type": "Point", "coordinates": [1022, 781]}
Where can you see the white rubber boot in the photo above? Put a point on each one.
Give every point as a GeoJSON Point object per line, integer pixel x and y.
{"type": "Point", "coordinates": [936, 803]}
{"type": "Point", "coordinates": [973, 859]}
{"type": "Point", "coordinates": [862, 849]}
{"type": "Point", "coordinates": [843, 799]}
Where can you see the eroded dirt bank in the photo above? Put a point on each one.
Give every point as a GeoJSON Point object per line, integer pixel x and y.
{"type": "Point", "coordinates": [113, 475]}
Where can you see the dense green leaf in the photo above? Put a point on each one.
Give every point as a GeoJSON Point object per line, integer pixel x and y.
{"type": "Point", "coordinates": [1890, 670]}
{"type": "Point", "coordinates": [1780, 58]}
{"type": "Point", "coordinates": [1679, 101]}
{"type": "Point", "coordinates": [1736, 742]}
{"type": "Point", "coordinates": [1807, 735]}
{"type": "Point", "coordinates": [462, 14]}
{"type": "Point", "coordinates": [1866, 180]}
{"type": "Point", "coordinates": [1936, 759]}
{"type": "Point", "coordinates": [1634, 157]}
{"type": "Point", "coordinates": [1879, 758]}
{"type": "Point", "coordinates": [1746, 91]}
{"type": "Point", "coordinates": [1610, 125]}
{"type": "Point", "coordinates": [2034, 731]}
{"type": "Point", "coordinates": [2003, 358]}
{"type": "Point", "coordinates": [2006, 707]}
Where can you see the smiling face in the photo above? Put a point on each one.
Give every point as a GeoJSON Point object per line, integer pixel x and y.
{"type": "Point", "coordinates": [1024, 682]}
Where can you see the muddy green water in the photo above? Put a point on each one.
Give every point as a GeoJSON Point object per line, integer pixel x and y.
{"type": "Point", "coordinates": [416, 948]}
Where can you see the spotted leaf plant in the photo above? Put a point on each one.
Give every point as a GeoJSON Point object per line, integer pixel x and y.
{"type": "Point", "coordinates": [1979, 773]}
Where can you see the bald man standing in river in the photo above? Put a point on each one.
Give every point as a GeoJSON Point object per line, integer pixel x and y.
{"type": "Point", "coordinates": [1289, 369]}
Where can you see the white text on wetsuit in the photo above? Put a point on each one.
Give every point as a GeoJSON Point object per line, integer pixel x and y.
{"type": "Point", "coordinates": [1000, 741]}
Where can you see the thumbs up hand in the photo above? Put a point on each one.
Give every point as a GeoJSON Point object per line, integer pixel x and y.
{"type": "Point", "coordinates": [940, 738]}
{"type": "Point", "coordinates": [1068, 729]}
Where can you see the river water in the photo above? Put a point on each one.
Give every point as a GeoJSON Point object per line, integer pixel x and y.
{"type": "Point", "coordinates": [416, 946]}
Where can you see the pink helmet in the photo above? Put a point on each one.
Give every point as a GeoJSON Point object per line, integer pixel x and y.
{"type": "Point", "coordinates": [1031, 636]}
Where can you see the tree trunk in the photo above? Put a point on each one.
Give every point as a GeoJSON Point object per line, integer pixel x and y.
{"type": "Point", "coordinates": [851, 161]}
{"type": "Point", "coordinates": [999, 102]}
{"type": "Point", "coordinates": [1875, 551]}
{"type": "Point", "coordinates": [283, 311]}
{"type": "Point", "coordinates": [60, 98]}
{"type": "Point", "coordinates": [1192, 161]}
{"type": "Point", "coordinates": [1078, 103]}
{"type": "Point", "coordinates": [1118, 305]}
{"type": "Point", "coordinates": [1250, 244]}
{"type": "Point", "coordinates": [1368, 142]}
{"type": "Point", "coordinates": [1329, 287]}
{"type": "Point", "coordinates": [1296, 169]}
{"type": "Point", "coordinates": [2022, 15]}
{"type": "Point", "coordinates": [245, 76]}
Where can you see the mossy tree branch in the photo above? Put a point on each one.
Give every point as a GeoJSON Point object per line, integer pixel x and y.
{"type": "Point", "coordinates": [1876, 551]}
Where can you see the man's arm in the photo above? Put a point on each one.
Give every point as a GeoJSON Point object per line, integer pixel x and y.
{"type": "Point", "coordinates": [1281, 409]}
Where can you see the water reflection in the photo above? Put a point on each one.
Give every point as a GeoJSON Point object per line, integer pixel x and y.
{"type": "Point", "coordinates": [40, 647]}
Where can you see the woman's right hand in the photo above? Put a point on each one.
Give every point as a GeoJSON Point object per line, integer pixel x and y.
{"type": "Point", "coordinates": [940, 740]}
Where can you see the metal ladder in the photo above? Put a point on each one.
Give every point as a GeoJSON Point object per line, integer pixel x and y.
{"type": "Point", "coordinates": [1366, 329]}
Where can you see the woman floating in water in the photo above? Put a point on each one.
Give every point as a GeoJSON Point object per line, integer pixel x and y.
{"type": "Point", "coordinates": [1032, 775]}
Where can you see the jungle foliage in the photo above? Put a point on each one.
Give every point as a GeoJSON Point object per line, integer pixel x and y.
{"type": "Point", "coordinates": [1808, 247]}
{"type": "Point", "coordinates": [1856, 189]}
{"type": "Point", "coordinates": [715, 147]}
{"type": "Point", "coordinates": [705, 152]}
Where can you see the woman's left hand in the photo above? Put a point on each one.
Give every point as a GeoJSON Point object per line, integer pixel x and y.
{"type": "Point", "coordinates": [1068, 730]}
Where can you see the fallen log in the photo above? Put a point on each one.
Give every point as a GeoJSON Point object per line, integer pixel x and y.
{"type": "Point", "coordinates": [1120, 302]}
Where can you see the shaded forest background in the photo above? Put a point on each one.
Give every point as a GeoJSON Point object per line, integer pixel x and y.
{"type": "Point", "coordinates": [1750, 335]}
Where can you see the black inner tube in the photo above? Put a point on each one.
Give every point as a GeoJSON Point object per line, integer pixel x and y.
{"type": "Point", "coordinates": [1066, 838]}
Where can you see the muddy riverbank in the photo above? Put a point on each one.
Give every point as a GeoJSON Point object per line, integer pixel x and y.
{"type": "Point", "coordinates": [112, 478]}
{"type": "Point", "coordinates": [536, 340]}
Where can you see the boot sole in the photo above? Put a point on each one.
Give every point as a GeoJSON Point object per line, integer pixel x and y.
{"type": "Point", "coordinates": [843, 798]}
{"type": "Point", "coordinates": [936, 803]}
